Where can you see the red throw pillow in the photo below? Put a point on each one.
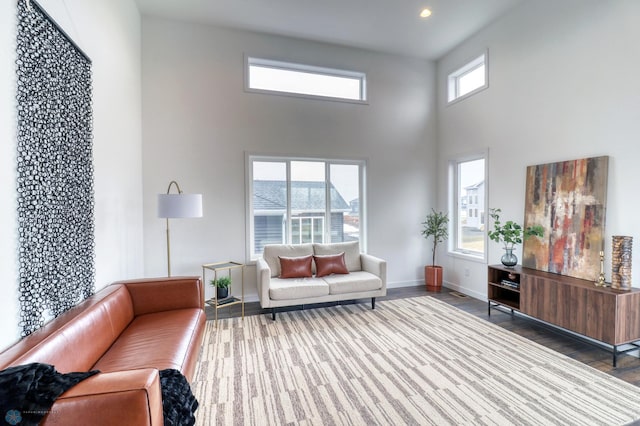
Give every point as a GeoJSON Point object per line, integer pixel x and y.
{"type": "Point", "coordinates": [330, 264]}
{"type": "Point", "coordinates": [295, 267]}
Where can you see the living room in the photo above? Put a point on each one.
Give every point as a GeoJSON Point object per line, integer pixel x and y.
{"type": "Point", "coordinates": [169, 103]}
{"type": "Point", "coordinates": [193, 139]}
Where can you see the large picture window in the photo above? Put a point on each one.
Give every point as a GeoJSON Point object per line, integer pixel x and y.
{"type": "Point", "coordinates": [296, 201]}
{"type": "Point", "coordinates": [468, 189]}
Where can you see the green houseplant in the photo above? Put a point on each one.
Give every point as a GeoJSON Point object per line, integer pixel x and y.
{"type": "Point", "coordinates": [510, 233]}
{"type": "Point", "coordinates": [435, 226]}
{"type": "Point", "coordinates": [222, 286]}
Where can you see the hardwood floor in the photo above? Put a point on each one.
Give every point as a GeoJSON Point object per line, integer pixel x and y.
{"type": "Point", "coordinates": [628, 368]}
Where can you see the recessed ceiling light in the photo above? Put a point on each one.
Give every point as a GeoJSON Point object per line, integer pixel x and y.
{"type": "Point", "coordinates": [425, 13]}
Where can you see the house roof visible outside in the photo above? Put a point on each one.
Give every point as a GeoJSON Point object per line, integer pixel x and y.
{"type": "Point", "coordinates": [475, 185]}
{"type": "Point", "coordinates": [306, 196]}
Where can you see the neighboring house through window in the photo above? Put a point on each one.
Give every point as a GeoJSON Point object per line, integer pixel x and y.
{"type": "Point", "coordinates": [303, 201]}
{"type": "Point", "coordinates": [467, 183]}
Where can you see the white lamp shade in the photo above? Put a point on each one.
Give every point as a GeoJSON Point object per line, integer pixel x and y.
{"type": "Point", "coordinates": [179, 205]}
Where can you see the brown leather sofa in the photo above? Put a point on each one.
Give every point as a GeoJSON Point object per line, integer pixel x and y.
{"type": "Point", "coordinates": [129, 331]}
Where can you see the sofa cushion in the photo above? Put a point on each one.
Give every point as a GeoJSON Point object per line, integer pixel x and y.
{"type": "Point", "coordinates": [355, 282]}
{"type": "Point", "coordinates": [273, 251]}
{"type": "Point", "coordinates": [76, 339]}
{"type": "Point", "coordinates": [157, 340]}
{"type": "Point", "coordinates": [295, 267]}
{"type": "Point", "coordinates": [328, 264]}
{"type": "Point", "coordinates": [351, 251]}
{"type": "Point", "coordinates": [297, 288]}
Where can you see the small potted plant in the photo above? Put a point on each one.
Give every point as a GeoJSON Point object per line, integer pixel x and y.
{"type": "Point", "coordinates": [222, 287]}
{"type": "Point", "coordinates": [510, 233]}
{"type": "Point", "coordinates": [435, 226]}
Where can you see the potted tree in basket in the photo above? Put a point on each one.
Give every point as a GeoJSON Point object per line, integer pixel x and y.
{"type": "Point", "coordinates": [510, 234]}
{"type": "Point", "coordinates": [222, 287]}
{"type": "Point", "coordinates": [435, 226]}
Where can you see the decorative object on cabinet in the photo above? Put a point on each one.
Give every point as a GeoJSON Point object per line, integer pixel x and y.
{"type": "Point", "coordinates": [217, 302]}
{"type": "Point", "coordinates": [604, 314]}
{"type": "Point", "coordinates": [54, 187]}
{"type": "Point", "coordinates": [510, 234]}
{"type": "Point", "coordinates": [435, 226]}
{"type": "Point", "coordinates": [568, 199]}
{"type": "Point", "coordinates": [621, 262]}
{"type": "Point", "coordinates": [178, 205]}
{"type": "Point", "coordinates": [601, 279]}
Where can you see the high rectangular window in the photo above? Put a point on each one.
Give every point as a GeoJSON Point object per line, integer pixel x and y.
{"type": "Point", "coordinates": [296, 201]}
{"type": "Point", "coordinates": [468, 79]}
{"type": "Point", "coordinates": [265, 75]}
{"type": "Point", "coordinates": [468, 189]}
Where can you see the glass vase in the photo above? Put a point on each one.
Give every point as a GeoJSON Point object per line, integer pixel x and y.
{"type": "Point", "coordinates": [509, 259]}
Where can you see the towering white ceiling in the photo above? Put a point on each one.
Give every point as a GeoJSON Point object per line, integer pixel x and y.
{"type": "Point", "coordinates": [392, 26]}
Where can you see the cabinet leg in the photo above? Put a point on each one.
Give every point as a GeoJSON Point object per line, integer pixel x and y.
{"type": "Point", "coordinates": [615, 356]}
{"type": "Point", "coordinates": [489, 308]}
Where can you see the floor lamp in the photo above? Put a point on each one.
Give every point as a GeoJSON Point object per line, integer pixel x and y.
{"type": "Point", "coordinates": [175, 206]}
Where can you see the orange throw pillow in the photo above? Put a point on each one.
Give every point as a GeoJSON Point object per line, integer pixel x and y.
{"type": "Point", "coordinates": [295, 267]}
{"type": "Point", "coordinates": [330, 264]}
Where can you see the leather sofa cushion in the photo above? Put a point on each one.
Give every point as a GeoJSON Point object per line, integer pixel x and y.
{"type": "Point", "coordinates": [295, 267]}
{"type": "Point", "coordinates": [76, 339]}
{"type": "Point", "coordinates": [272, 252]}
{"type": "Point", "coordinates": [159, 339]}
{"type": "Point", "coordinates": [350, 249]}
{"type": "Point", "coordinates": [355, 282]}
{"type": "Point", "coordinates": [330, 264]}
{"type": "Point", "coordinates": [297, 288]}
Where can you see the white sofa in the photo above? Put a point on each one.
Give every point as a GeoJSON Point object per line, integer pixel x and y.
{"type": "Point", "coordinates": [367, 276]}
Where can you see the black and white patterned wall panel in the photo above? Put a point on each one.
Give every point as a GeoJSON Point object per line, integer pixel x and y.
{"type": "Point", "coordinates": [54, 170]}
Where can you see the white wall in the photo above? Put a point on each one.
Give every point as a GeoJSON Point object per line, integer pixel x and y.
{"type": "Point", "coordinates": [563, 85]}
{"type": "Point", "coordinates": [198, 123]}
{"type": "Point", "coordinates": [108, 31]}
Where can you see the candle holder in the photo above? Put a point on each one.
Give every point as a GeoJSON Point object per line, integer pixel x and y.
{"type": "Point", "coordinates": [601, 280]}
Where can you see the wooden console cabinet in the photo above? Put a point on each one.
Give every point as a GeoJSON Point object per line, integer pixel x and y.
{"type": "Point", "coordinates": [607, 315]}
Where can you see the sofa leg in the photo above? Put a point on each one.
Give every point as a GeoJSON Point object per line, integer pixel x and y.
{"type": "Point", "coordinates": [273, 314]}
{"type": "Point", "coordinates": [373, 303]}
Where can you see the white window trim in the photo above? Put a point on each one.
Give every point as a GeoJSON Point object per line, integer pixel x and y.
{"type": "Point", "coordinates": [453, 206]}
{"type": "Point", "coordinates": [292, 66]}
{"type": "Point", "coordinates": [249, 223]}
{"type": "Point", "coordinates": [453, 77]}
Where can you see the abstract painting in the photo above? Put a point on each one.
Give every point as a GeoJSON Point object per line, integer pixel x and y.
{"type": "Point", "coordinates": [54, 169]}
{"type": "Point", "coordinates": [568, 200]}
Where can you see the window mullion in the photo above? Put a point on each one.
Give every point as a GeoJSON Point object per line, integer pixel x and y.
{"type": "Point", "coordinates": [327, 204]}
{"type": "Point", "coordinates": [288, 219]}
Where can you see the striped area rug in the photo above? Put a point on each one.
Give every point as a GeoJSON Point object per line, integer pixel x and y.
{"type": "Point", "coordinates": [412, 361]}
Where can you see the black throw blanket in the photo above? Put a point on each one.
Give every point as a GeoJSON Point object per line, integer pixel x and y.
{"type": "Point", "coordinates": [28, 391]}
{"type": "Point", "coordinates": [178, 402]}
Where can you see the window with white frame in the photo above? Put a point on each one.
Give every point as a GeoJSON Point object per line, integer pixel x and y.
{"type": "Point", "coordinates": [298, 200]}
{"type": "Point", "coordinates": [468, 79]}
{"type": "Point", "coordinates": [266, 75]}
{"type": "Point", "coordinates": [468, 190]}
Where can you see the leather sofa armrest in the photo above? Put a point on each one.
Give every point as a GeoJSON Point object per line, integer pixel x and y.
{"type": "Point", "coordinates": [165, 294]}
{"type": "Point", "coordinates": [263, 281]}
{"type": "Point", "coordinates": [129, 397]}
{"type": "Point", "coordinates": [376, 266]}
